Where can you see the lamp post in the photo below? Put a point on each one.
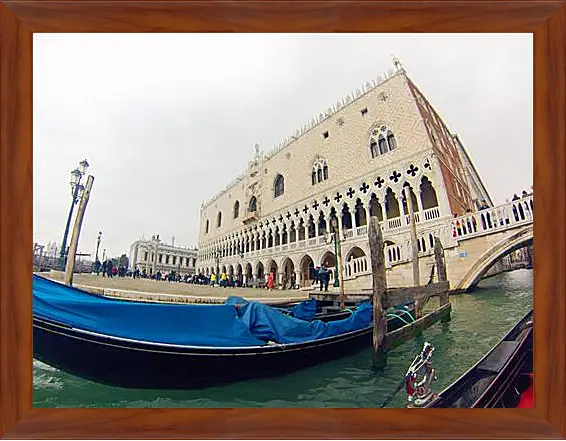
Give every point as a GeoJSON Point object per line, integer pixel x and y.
{"type": "Point", "coordinates": [97, 245]}
{"type": "Point", "coordinates": [76, 188]}
{"type": "Point", "coordinates": [336, 239]}
{"type": "Point", "coordinates": [70, 261]}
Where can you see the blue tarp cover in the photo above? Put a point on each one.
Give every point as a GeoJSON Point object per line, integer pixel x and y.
{"type": "Point", "coordinates": [270, 324]}
{"type": "Point", "coordinates": [234, 324]}
{"type": "Point", "coordinates": [305, 310]}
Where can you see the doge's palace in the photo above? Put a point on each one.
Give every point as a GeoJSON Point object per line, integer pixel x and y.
{"type": "Point", "coordinates": [348, 163]}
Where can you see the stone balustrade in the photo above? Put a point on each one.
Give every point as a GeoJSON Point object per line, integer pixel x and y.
{"type": "Point", "coordinates": [493, 219]}
{"type": "Point", "coordinates": [450, 230]}
{"type": "Point", "coordinates": [357, 267]}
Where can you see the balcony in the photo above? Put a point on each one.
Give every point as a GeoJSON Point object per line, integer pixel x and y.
{"type": "Point", "coordinates": [251, 216]}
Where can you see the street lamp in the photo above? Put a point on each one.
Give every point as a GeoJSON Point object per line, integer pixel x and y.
{"type": "Point", "coordinates": [76, 189]}
{"type": "Point", "coordinates": [336, 239]}
{"type": "Point", "coordinates": [98, 245]}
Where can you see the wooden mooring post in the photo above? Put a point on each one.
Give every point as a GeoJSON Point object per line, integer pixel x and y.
{"type": "Point", "coordinates": [384, 298]}
{"type": "Point", "coordinates": [414, 243]}
{"type": "Point", "coordinates": [442, 276]}
{"type": "Point", "coordinates": [379, 282]}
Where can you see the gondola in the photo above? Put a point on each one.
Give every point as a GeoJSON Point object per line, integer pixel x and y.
{"type": "Point", "coordinates": [159, 346]}
{"type": "Point", "coordinates": [502, 378]}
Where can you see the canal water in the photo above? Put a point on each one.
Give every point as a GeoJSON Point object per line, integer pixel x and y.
{"type": "Point", "coordinates": [479, 320]}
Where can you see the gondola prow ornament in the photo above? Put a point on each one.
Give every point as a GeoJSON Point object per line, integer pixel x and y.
{"type": "Point", "coordinates": [419, 378]}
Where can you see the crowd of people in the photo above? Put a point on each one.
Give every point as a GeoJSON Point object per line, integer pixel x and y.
{"type": "Point", "coordinates": [108, 269]}
{"type": "Point", "coordinates": [321, 276]}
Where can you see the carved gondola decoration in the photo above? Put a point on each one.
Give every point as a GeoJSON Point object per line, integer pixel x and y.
{"type": "Point", "coordinates": [502, 378]}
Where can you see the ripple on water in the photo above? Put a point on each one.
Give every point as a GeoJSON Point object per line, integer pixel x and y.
{"type": "Point", "coordinates": [43, 380]}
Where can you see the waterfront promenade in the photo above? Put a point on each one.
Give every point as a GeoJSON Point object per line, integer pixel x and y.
{"type": "Point", "coordinates": [146, 289]}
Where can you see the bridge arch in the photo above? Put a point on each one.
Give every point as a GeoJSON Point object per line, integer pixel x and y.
{"type": "Point", "coordinates": [517, 240]}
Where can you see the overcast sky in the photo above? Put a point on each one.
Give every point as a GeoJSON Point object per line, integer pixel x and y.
{"type": "Point", "coordinates": [166, 120]}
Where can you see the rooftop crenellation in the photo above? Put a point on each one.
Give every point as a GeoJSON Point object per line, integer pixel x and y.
{"type": "Point", "coordinates": [318, 119]}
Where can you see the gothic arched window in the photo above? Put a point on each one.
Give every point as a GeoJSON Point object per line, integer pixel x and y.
{"type": "Point", "coordinates": [207, 224]}
{"type": "Point", "coordinates": [382, 145]}
{"type": "Point", "coordinates": [428, 194]}
{"type": "Point", "coordinates": [253, 204]}
{"type": "Point", "coordinates": [382, 140]}
{"type": "Point", "coordinates": [373, 148]}
{"type": "Point", "coordinates": [319, 170]}
{"type": "Point", "coordinates": [219, 219]}
{"type": "Point", "coordinates": [279, 186]}
{"type": "Point", "coordinates": [236, 209]}
{"type": "Point", "coordinates": [391, 140]}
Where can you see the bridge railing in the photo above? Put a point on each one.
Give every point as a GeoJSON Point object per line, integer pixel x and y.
{"type": "Point", "coordinates": [356, 267]}
{"type": "Point", "coordinates": [492, 219]}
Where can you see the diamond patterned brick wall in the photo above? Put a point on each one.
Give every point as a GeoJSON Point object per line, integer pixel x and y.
{"type": "Point", "coordinates": [346, 150]}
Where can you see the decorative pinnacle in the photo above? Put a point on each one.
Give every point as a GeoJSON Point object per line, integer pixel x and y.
{"type": "Point", "coordinates": [397, 63]}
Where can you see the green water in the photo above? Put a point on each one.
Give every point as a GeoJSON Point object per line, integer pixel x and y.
{"type": "Point", "coordinates": [479, 320]}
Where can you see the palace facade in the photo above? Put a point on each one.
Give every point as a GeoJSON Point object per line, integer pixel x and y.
{"type": "Point", "coordinates": [347, 164]}
{"type": "Point", "coordinates": [154, 255]}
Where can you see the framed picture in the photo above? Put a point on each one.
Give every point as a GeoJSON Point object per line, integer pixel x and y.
{"type": "Point", "coordinates": [546, 20]}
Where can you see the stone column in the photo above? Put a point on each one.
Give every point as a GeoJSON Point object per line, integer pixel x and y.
{"type": "Point", "coordinates": [441, 194]}
{"type": "Point", "coordinates": [146, 260]}
{"type": "Point", "coordinates": [384, 213]}
{"type": "Point", "coordinates": [298, 280]}
{"type": "Point", "coordinates": [340, 228]}
{"type": "Point", "coordinates": [419, 203]}
{"type": "Point", "coordinates": [155, 257]}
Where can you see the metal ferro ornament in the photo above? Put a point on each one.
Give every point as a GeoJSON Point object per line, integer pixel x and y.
{"type": "Point", "coordinates": [419, 378]}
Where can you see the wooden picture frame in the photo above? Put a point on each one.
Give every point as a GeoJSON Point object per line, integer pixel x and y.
{"type": "Point", "coordinates": [20, 19]}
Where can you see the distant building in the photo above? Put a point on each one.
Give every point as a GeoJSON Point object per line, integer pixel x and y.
{"type": "Point", "coordinates": [154, 255]}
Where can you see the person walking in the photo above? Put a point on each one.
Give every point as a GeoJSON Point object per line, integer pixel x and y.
{"type": "Point", "coordinates": [293, 281]}
{"type": "Point", "coordinates": [324, 276]}
{"type": "Point", "coordinates": [316, 275]}
{"type": "Point", "coordinates": [109, 268]}
{"type": "Point", "coordinates": [270, 281]}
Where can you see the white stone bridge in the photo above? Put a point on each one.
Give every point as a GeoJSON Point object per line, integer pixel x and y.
{"type": "Point", "coordinates": [485, 237]}
{"type": "Point", "coordinates": [472, 244]}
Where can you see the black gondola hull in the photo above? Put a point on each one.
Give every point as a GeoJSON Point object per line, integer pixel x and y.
{"type": "Point", "coordinates": [499, 377]}
{"type": "Point", "coordinates": [135, 364]}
